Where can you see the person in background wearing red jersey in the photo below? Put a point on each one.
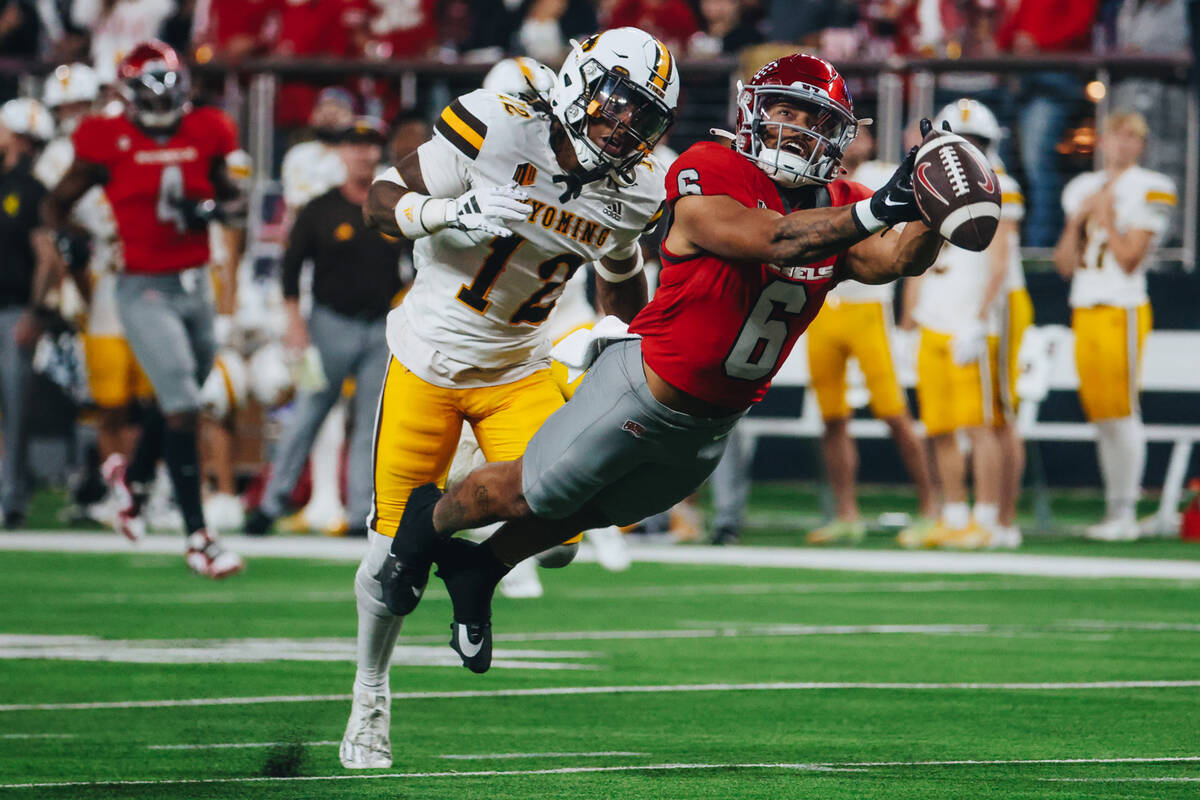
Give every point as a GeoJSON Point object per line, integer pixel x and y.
{"type": "Point", "coordinates": [760, 231]}
{"type": "Point", "coordinates": [162, 166]}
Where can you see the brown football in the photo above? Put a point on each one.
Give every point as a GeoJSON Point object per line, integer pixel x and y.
{"type": "Point", "coordinates": [957, 190]}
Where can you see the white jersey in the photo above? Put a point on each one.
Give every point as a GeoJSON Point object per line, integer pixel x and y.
{"type": "Point", "coordinates": [94, 214]}
{"type": "Point", "coordinates": [952, 291]}
{"type": "Point", "coordinates": [474, 313]}
{"type": "Point", "coordinates": [873, 175]}
{"type": "Point", "coordinates": [1142, 200]}
{"type": "Point", "coordinates": [309, 170]}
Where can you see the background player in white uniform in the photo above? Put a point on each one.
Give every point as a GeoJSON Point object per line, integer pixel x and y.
{"type": "Point", "coordinates": [505, 203]}
{"type": "Point", "coordinates": [856, 321]}
{"type": "Point", "coordinates": [957, 382]}
{"type": "Point", "coordinates": [1115, 219]}
{"type": "Point", "coordinates": [1012, 312]}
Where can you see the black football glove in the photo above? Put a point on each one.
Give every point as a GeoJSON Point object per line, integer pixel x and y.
{"type": "Point", "coordinates": [197, 214]}
{"type": "Point", "coordinates": [895, 201]}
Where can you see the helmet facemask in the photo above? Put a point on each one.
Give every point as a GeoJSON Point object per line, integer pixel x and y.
{"type": "Point", "coordinates": [631, 120]}
{"type": "Point", "coordinates": [799, 153]}
{"type": "Point", "coordinates": [158, 99]}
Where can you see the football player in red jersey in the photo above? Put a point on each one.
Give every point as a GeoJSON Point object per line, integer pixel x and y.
{"type": "Point", "coordinates": [760, 231]}
{"type": "Point", "coordinates": [162, 166]}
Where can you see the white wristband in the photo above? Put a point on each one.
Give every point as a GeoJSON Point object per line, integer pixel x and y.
{"type": "Point", "coordinates": [419, 215]}
{"type": "Point", "coordinates": [867, 221]}
{"type": "Point", "coordinates": [620, 277]}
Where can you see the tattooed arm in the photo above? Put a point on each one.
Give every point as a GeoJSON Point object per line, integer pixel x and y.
{"type": "Point", "coordinates": [722, 226]}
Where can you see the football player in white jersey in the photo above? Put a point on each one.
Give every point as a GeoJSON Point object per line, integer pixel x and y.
{"type": "Point", "coordinates": [856, 322]}
{"type": "Point", "coordinates": [958, 383]}
{"type": "Point", "coordinates": [1116, 218]}
{"type": "Point", "coordinates": [506, 201]}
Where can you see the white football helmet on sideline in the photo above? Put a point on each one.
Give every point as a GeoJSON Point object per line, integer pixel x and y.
{"type": "Point", "coordinates": [623, 80]}
{"type": "Point", "coordinates": [227, 385]}
{"type": "Point", "coordinates": [270, 378]}
{"type": "Point", "coordinates": [518, 76]}
{"type": "Point", "coordinates": [28, 117]}
{"type": "Point", "coordinates": [67, 85]}
{"type": "Point", "coordinates": [972, 118]}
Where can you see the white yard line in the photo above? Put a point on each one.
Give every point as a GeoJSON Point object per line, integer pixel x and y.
{"type": "Point", "coordinates": [235, 745]}
{"type": "Point", "coordinates": [1164, 779]}
{"type": "Point", "coordinates": [818, 767]}
{"type": "Point", "coordinates": [37, 736]}
{"type": "Point", "coordinates": [900, 561]}
{"type": "Point", "coordinates": [491, 756]}
{"type": "Point", "coordinates": [559, 691]}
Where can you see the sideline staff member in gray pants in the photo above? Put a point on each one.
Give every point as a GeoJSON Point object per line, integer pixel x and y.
{"type": "Point", "coordinates": [356, 273]}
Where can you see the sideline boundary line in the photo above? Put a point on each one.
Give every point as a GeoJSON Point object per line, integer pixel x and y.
{"type": "Point", "coordinates": [896, 561]}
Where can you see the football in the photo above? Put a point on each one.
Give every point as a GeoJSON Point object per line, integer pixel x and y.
{"type": "Point", "coordinates": [957, 190]}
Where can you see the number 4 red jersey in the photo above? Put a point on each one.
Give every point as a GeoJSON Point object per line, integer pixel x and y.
{"type": "Point", "coordinates": [719, 330]}
{"type": "Point", "coordinates": [147, 178]}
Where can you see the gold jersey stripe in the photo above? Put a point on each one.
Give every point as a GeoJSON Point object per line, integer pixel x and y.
{"type": "Point", "coordinates": [1012, 197]}
{"type": "Point", "coordinates": [462, 129]}
{"type": "Point", "coordinates": [1161, 197]}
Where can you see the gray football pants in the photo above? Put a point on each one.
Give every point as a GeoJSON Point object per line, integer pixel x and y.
{"type": "Point", "coordinates": [168, 321]}
{"type": "Point", "coordinates": [349, 347]}
{"type": "Point", "coordinates": [16, 370]}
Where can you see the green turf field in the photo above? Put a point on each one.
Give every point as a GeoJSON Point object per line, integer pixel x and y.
{"type": "Point", "coordinates": [660, 682]}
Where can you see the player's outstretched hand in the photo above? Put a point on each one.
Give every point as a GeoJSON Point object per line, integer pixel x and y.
{"type": "Point", "coordinates": [488, 209]}
{"type": "Point", "coordinates": [895, 202]}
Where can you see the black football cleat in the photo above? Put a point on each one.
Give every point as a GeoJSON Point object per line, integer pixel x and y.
{"type": "Point", "coordinates": [406, 569]}
{"type": "Point", "coordinates": [471, 574]}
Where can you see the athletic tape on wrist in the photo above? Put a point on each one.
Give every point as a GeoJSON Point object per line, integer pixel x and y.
{"type": "Point", "coordinates": [620, 277]}
{"type": "Point", "coordinates": [419, 215]}
{"type": "Point", "coordinates": [864, 218]}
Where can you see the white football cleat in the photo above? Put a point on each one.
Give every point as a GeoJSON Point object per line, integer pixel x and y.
{"type": "Point", "coordinates": [126, 519]}
{"type": "Point", "coordinates": [366, 743]}
{"type": "Point", "coordinates": [1006, 537]}
{"type": "Point", "coordinates": [206, 556]}
{"type": "Point", "coordinates": [1115, 529]}
{"type": "Point", "coordinates": [609, 544]}
{"type": "Point", "coordinates": [522, 581]}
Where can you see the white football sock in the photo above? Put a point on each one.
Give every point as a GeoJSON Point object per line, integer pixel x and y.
{"type": "Point", "coordinates": [985, 514]}
{"type": "Point", "coordinates": [955, 516]}
{"type": "Point", "coordinates": [377, 627]}
{"type": "Point", "coordinates": [1130, 462]}
{"type": "Point", "coordinates": [1107, 453]}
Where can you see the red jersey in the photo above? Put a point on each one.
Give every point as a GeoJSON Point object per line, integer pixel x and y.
{"type": "Point", "coordinates": [719, 330]}
{"type": "Point", "coordinates": [147, 178]}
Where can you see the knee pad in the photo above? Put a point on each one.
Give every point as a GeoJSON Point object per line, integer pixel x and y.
{"type": "Point", "coordinates": [558, 557]}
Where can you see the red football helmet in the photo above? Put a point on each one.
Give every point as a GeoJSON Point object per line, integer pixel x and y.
{"type": "Point", "coordinates": [803, 150]}
{"type": "Point", "coordinates": [155, 85]}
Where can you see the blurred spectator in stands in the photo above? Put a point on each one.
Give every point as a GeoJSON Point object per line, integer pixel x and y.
{"type": "Point", "coordinates": [961, 29]}
{"type": "Point", "coordinates": [546, 25]}
{"type": "Point", "coordinates": [402, 28]}
{"type": "Point", "coordinates": [1158, 27]}
{"type": "Point", "coordinates": [230, 29]}
{"type": "Point", "coordinates": [1046, 101]}
{"type": "Point", "coordinates": [803, 21]}
{"type": "Point", "coordinates": [409, 130]}
{"type": "Point", "coordinates": [724, 30]}
{"type": "Point", "coordinates": [672, 21]}
{"type": "Point", "coordinates": [19, 31]}
{"type": "Point", "coordinates": [117, 27]}
{"type": "Point", "coordinates": [309, 29]}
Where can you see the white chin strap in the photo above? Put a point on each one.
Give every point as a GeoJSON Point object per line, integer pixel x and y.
{"type": "Point", "coordinates": [771, 159]}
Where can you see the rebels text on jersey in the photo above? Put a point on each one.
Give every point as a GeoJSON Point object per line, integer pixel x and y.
{"type": "Point", "coordinates": [147, 178]}
{"type": "Point", "coordinates": [719, 330]}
